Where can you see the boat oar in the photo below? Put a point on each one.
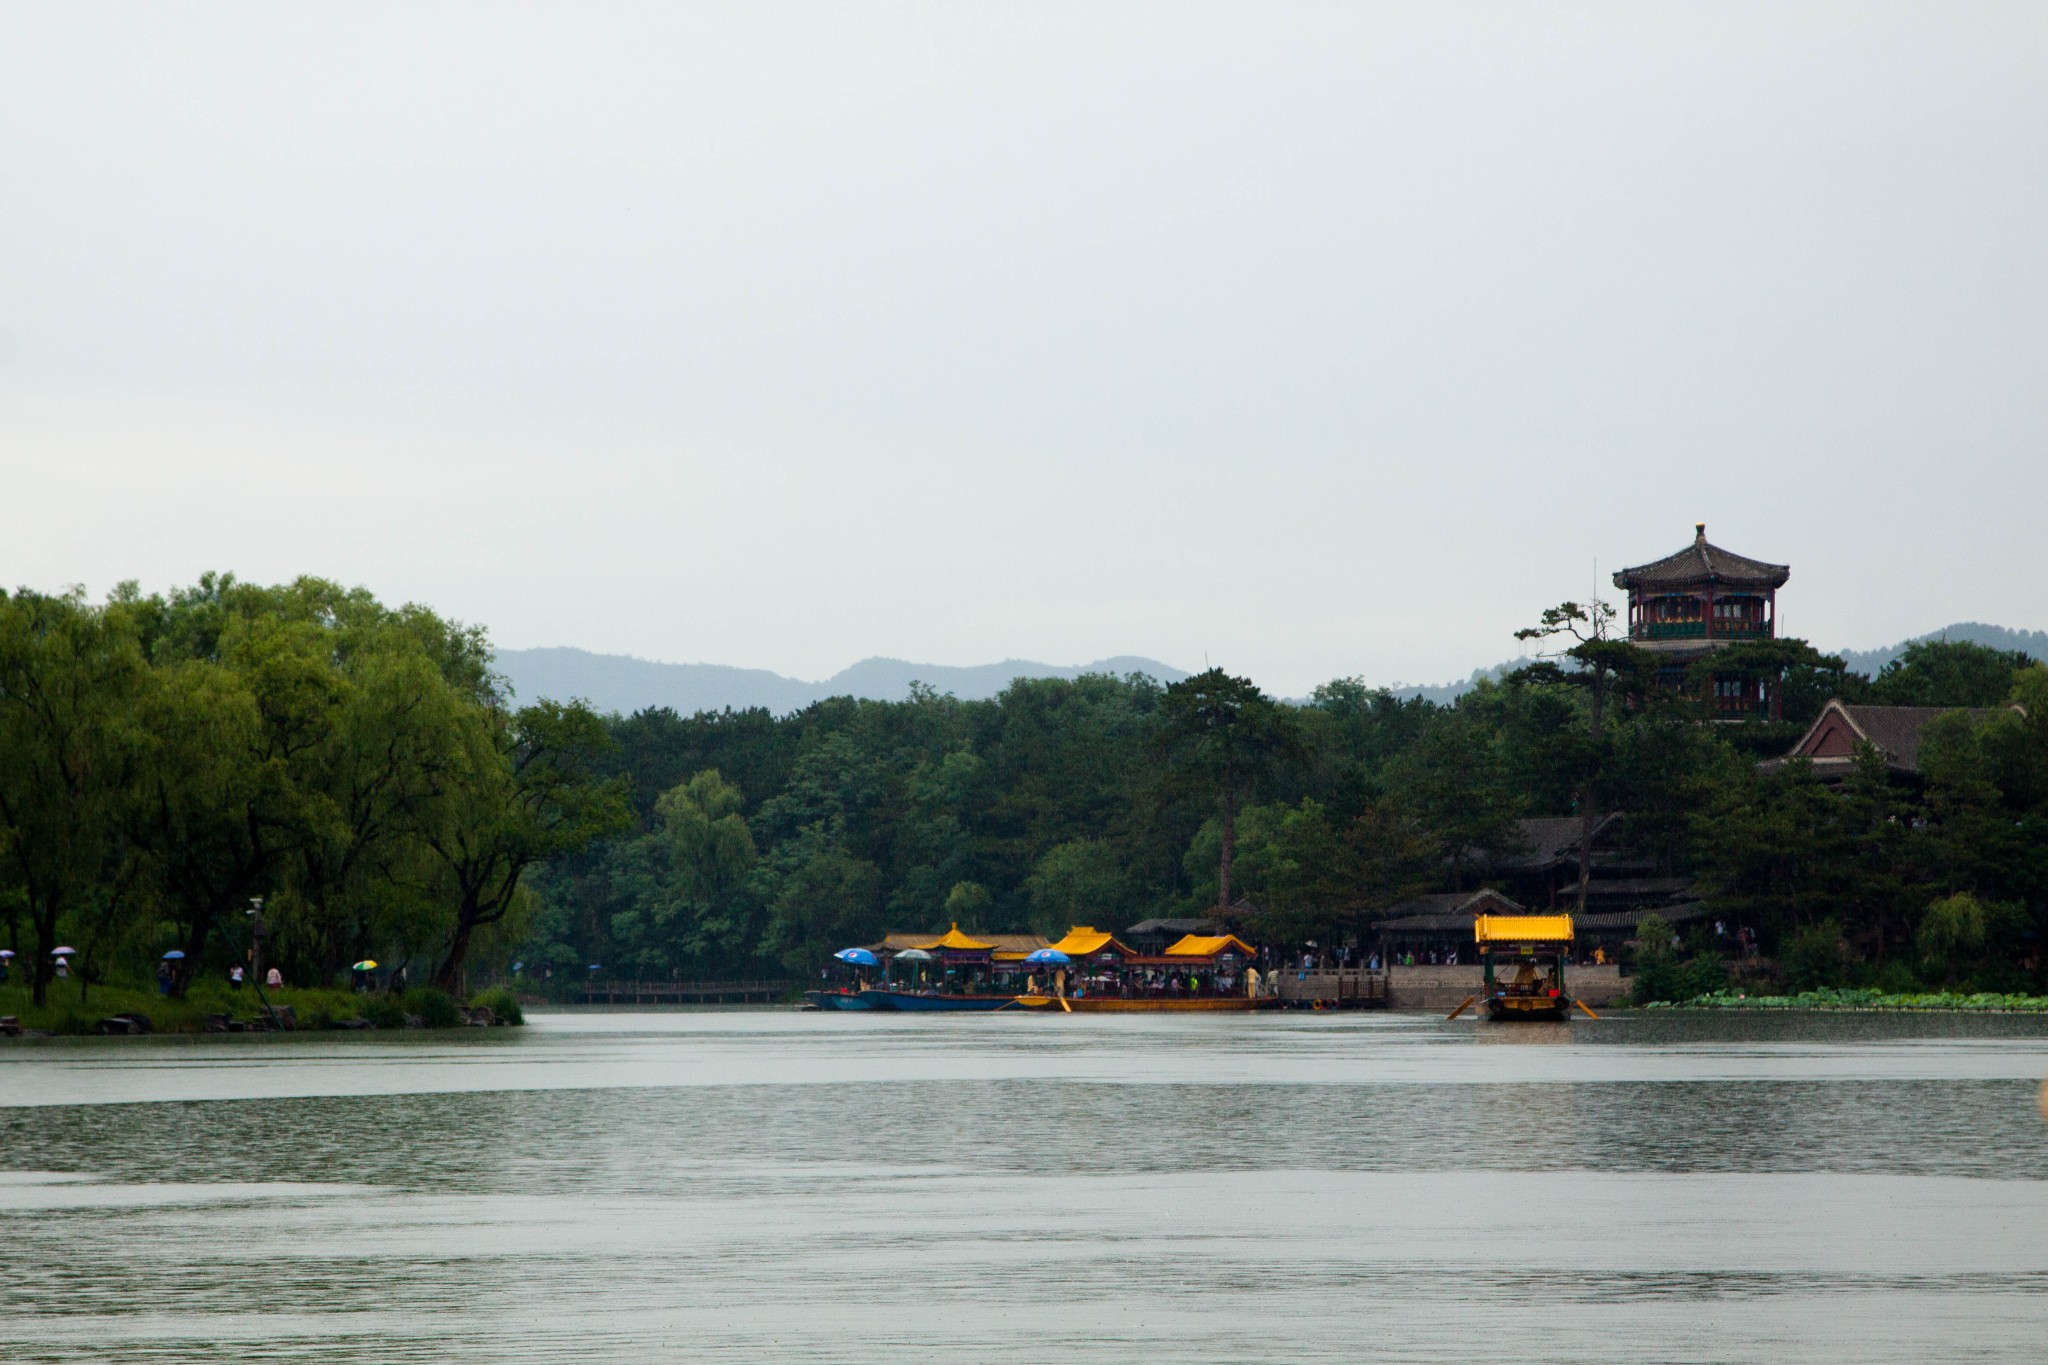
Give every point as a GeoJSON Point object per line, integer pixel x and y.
{"type": "Point", "coordinates": [1582, 1005]}
{"type": "Point", "coordinates": [1064, 1006]}
{"type": "Point", "coordinates": [1461, 1009]}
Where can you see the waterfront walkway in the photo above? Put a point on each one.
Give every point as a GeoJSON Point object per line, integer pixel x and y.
{"type": "Point", "coordinates": [1441, 988]}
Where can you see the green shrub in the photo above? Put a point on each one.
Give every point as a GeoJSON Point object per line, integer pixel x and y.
{"type": "Point", "coordinates": [1870, 1000]}
{"type": "Point", "coordinates": [1701, 976]}
{"type": "Point", "coordinates": [1950, 932]}
{"type": "Point", "coordinates": [502, 1003]}
{"type": "Point", "coordinates": [436, 1009]}
{"type": "Point", "coordinates": [1896, 978]}
{"type": "Point", "coordinates": [1813, 958]}
{"type": "Point", "coordinates": [383, 1011]}
{"type": "Point", "coordinates": [1653, 968]}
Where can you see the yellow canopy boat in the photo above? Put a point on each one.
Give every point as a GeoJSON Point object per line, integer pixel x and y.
{"type": "Point", "coordinates": [1537, 947]}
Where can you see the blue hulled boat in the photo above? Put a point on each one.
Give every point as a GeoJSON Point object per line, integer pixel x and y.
{"type": "Point", "coordinates": [838, 1000]}
{"type": "Point", "coordinates": [912, 1000]}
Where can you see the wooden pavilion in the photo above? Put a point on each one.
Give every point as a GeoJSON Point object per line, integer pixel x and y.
{"type": "Point", "coordinates": [1687, 606]}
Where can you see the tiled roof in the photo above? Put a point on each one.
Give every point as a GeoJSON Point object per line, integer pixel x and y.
{"type": "Point", "coordinates": [1683, 913]}
{"type": "Point", "coordinates": [1701, 563]}
{"type": "Point", "coordinates": [1894, 730]}
{"type": "Point", "coordinates": [1446, 911]}
{"type": "Point", "coordinates": [1202, 925]}
{"type": "Point", "coordinates": [1549, 840]}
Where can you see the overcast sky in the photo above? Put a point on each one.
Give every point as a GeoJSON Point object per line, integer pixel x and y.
{"type": "Point", "coordinates": [1312, 341]}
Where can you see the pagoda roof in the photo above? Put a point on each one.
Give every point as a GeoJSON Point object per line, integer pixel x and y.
{"type": "Point", "coordinates": [952, 939]}
{"type": "Point", "coordinates": [1086, 941]}
{"type": "Point", "coordinates": [1701, 563]}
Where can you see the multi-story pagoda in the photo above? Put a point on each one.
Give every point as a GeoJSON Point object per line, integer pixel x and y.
{"type": "Point", "coordinates": [1686, 606]}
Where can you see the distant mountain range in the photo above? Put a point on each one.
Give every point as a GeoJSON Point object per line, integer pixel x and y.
{"type": "Point", "coordinates": [619, 682]}
{"type": "Point", "coordinates": [1866, 661]}
{"type": "Point", "coordinates": [2033, 642]}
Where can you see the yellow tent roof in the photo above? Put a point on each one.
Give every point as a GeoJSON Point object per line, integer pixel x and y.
{"type": "Point", "coordinates": [958, 941]}
{"type": "Point", "coordinates": [1085, 941]}
{"type": "Point", "coordinates": [1522, 929]}
{"type": "Point", "coordinates": [1205, 945]}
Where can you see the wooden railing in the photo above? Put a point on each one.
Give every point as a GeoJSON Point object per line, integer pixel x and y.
{"type": "Point", "coordinates": [1347, 987]}
{"type": "Point", "coordinates": [685, 992]}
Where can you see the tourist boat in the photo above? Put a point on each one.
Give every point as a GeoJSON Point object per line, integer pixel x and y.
{"type": "Point", "coordinates": [1196, 958]}
{"type": "Point", "coordinates": [1535, 947]}
{"type": "Point", "coordinates": [966, 969]}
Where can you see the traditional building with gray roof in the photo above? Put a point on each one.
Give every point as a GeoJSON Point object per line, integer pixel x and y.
{"type": "Point", "coordinates": [1893, 732]}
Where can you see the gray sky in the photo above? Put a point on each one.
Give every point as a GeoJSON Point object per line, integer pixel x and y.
{"type": "Point", "coordinates": [1311, 340]}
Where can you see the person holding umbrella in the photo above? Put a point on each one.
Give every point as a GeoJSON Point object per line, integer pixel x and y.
{"type": "Point", "coordinates": [856, 958]}
{"type": "Point", "coordinates": [1055, 959]}
{"type": "Point", "coordinates": [917, 957]}
{"type": "Point", "coordinates": [6, 961]}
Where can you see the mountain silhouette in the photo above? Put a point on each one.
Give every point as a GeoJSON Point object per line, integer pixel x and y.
{"type": "Point", "coordinates": [622, 683]}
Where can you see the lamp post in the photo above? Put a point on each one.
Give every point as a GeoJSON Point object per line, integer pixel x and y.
{"type": "Point", "coordinates": [255, 913]}
{"type": "Point", "coordinates": [255, 938]}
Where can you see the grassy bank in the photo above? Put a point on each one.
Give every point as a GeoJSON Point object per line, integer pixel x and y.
{"type": "Point", "coordinates": [1847, 999]}
{"type": "Point", "coordinates": [315, 1009]}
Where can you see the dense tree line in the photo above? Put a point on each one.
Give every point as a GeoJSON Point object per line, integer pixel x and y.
{"type": "Point", "coordinates": [165, 759]}
{"type": "Point", "coordinates": [762, 843]}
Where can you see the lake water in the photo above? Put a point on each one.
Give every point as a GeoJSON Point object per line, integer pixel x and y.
{"type": "Point", "coordinates": [771, 1185]}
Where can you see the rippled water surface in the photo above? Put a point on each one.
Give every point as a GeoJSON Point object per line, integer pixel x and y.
{"type": "Point", "coordinates": [781, 1186]}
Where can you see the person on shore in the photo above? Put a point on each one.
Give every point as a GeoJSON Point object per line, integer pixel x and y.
{"type": "Point", "coordinates": [63, 969]}
{"type": "Point", "coordinates": [274, 979]}
{"type": "Point", "coordinates": [163, 978]}
{"type": "Point", "coordinates": [235, 976]}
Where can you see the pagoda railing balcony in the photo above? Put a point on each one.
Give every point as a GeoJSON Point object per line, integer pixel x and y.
{"type": "Point", "coordinates": [1737, 626]}
{"type": "Point", "coordinates": [1671, 630]}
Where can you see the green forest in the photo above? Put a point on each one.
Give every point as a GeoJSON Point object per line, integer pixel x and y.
{"type": "Point", "coordinates": [164, 759]}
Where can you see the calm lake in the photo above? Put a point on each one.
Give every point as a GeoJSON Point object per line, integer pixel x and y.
{"type": "Point", "coordinates": [770, 1185]}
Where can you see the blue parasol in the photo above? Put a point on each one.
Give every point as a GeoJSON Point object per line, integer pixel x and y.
{"type": "Point", "coordinates": [174, 955]}
{"type": "Point", "coordinates": [857, 957]}
{"type": "Point", "coordinates": [1048, 957]}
